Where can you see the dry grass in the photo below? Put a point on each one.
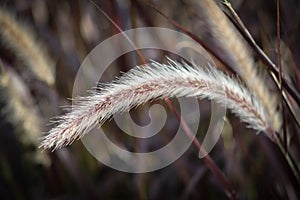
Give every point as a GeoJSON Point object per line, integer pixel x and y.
{"type": "Point", "coordinates": [31, 93]}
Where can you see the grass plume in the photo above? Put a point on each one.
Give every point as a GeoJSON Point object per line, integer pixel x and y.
{"type": "Point", "coordinates": [21, 40]}
{"type": "Point", "coordinates": [230, 39]}
{"type": "Point", "coordinates": [19, 107]}
{"type": "Point", "coordinates": [153, 81]}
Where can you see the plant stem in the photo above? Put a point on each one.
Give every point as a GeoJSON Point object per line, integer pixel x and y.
{"type": "Point", "coordinates": [231, 193]}
{"type": "Point", "coordinates": [275, 74]}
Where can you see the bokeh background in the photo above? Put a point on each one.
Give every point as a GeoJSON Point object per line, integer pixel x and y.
{"type": "Point", "coordinates": [68, 31]}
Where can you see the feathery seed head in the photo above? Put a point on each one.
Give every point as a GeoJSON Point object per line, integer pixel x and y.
{"type": "Point", "coordinates": [156, 81]}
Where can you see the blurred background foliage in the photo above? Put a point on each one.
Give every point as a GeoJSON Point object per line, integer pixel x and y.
{"type": "Point", "coordinates": [68, 31]}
